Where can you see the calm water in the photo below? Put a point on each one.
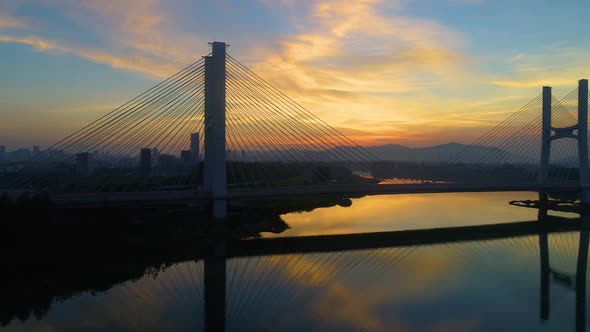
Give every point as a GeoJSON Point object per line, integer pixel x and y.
{"type": "Point", "coordinates": [490, 285]}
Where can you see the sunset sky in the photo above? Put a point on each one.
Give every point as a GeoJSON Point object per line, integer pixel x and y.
{"type": "Point", "coordinates": [415, 73]}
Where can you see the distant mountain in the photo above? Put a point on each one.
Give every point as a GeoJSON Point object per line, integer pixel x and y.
{"type": "Point", "coordinates": [454, 152]}
{"type": "Point", "coordinates": [439, 153]}
{"type": "Point", "coordinates": [450, 152]}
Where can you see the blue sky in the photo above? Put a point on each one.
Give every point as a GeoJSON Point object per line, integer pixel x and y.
{"type": "Point", "coordinates": [404, 72]}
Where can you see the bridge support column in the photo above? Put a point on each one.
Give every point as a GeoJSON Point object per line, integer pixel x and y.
{"type": "Point", "coordinates": [545, 136]}
{"type": "Point", "coordinates": [583, 143]}
{"type": "Point", "coordinates": [214, 283]}
{"type": "Point", "coordinates": [545, 271]}
{"type": "Point", "coordinates": [215, 167]}
{"type": "Point", "coordinates": [208, 133]}
{"type": "Point", "coordinates": [543, 206]}
{"type": "Point", "coordinates": [581, 281]}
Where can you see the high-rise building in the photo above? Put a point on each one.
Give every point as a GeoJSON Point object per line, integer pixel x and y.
{"type": "Point", "coordinates": [195, 158]}
{"type": "Point", "coordinates": [35, 150]}
{"type": "Point", "coordinates": [2, 152]}
{"type": "Point", "coordinates": [155, 157]}
{"type": "Point", "coordinates": [186, 156]}
{"type": "Point", "coordinates": [21, 155]}
{"type": "Point", "coordinates": [145, 160]}
{"type": "Point", "coordinates": [167, 162]}
{"type": "Point", "coordinates": [84, 164]}
{"type": "Point", "coordinates": [56, 155]}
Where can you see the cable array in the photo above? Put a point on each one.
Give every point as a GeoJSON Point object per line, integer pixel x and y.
{"type": "Point", "coordinates": [511, 151]}
{"type": "Point", "coordinates": [158, 121]}
{"type": "Point", "coordinates": [271, 140]}
{"type": "Point", "coordinates": [284, 142]}
{"type": "Point", "coordinates": [260, 289]}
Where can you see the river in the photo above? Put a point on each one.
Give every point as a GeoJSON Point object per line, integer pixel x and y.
{"type": "Point", "coordinates": [491, 285]}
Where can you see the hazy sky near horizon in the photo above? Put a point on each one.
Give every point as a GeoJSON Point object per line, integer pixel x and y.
{"type": "Point", "coordinates": [405, 72]}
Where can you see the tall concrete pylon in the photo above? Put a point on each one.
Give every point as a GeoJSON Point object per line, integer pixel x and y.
{"type": "Point", "coordinates": [545, 136]}
{"type": "Point", "coordinates": [583, 140]}
{"type": "Point", "coordinates": [579, 132]}
{"type": "Point", "coordinates": [214, 176]}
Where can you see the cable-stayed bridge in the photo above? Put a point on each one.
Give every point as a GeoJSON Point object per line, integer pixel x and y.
{"type": "Point", "coordinates": [216, 130]}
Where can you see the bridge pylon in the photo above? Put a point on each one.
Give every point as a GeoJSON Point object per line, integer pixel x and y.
{"type": "Point", "coordinates": [214, 176]}
{"type": "Point", "coordinates": [583, 140]}
{"type": "Point", "coordinates": [579, 132]}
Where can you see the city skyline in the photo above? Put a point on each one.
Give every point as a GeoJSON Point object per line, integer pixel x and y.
{"type": "Point", "coordinates": [415, 73]}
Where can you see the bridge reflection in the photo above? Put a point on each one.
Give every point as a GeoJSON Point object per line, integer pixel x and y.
{"type": "Point", "coordinates": [219, 258]}
{"type": "Point", "coordinates": [579, 284]}
{"type": "Point", "coordinates": [215, 263]}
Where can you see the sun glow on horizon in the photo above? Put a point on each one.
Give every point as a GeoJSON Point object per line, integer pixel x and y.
{"type": "Point", "coordinates": [380, 72]}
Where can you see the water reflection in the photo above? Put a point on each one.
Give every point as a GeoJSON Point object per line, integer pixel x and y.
{"type": "Point", "coordinates": [509, 278]}
{"type": "Point", "coordinates": [403, 212]}
{"type": "Point", "coordinates": [455, 286]}
{"type": "Point", "coordinates": [469, 286]}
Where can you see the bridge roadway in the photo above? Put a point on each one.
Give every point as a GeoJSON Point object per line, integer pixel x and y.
{"type": "Point", "coordinates": [191, 196]}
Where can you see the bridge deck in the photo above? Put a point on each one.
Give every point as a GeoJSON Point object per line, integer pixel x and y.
{"type": "Point", "coordinates": [186, 196]}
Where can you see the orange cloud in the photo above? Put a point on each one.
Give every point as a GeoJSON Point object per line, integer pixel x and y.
{"type": "Point", "coordinates": [11, 22]}
{"type": "Point", "coordinates": [141, 32]}
{"type": "Point", "coordinates": [359, 69]}
{"type": "Point", "coordinates": [134, 62]}
{"type": "Point", "coordinates": [360, 65]}
{"type": "Point", "coordinates": [557, 65]}
{"type": "Point", "coordinates": [141, 26]}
